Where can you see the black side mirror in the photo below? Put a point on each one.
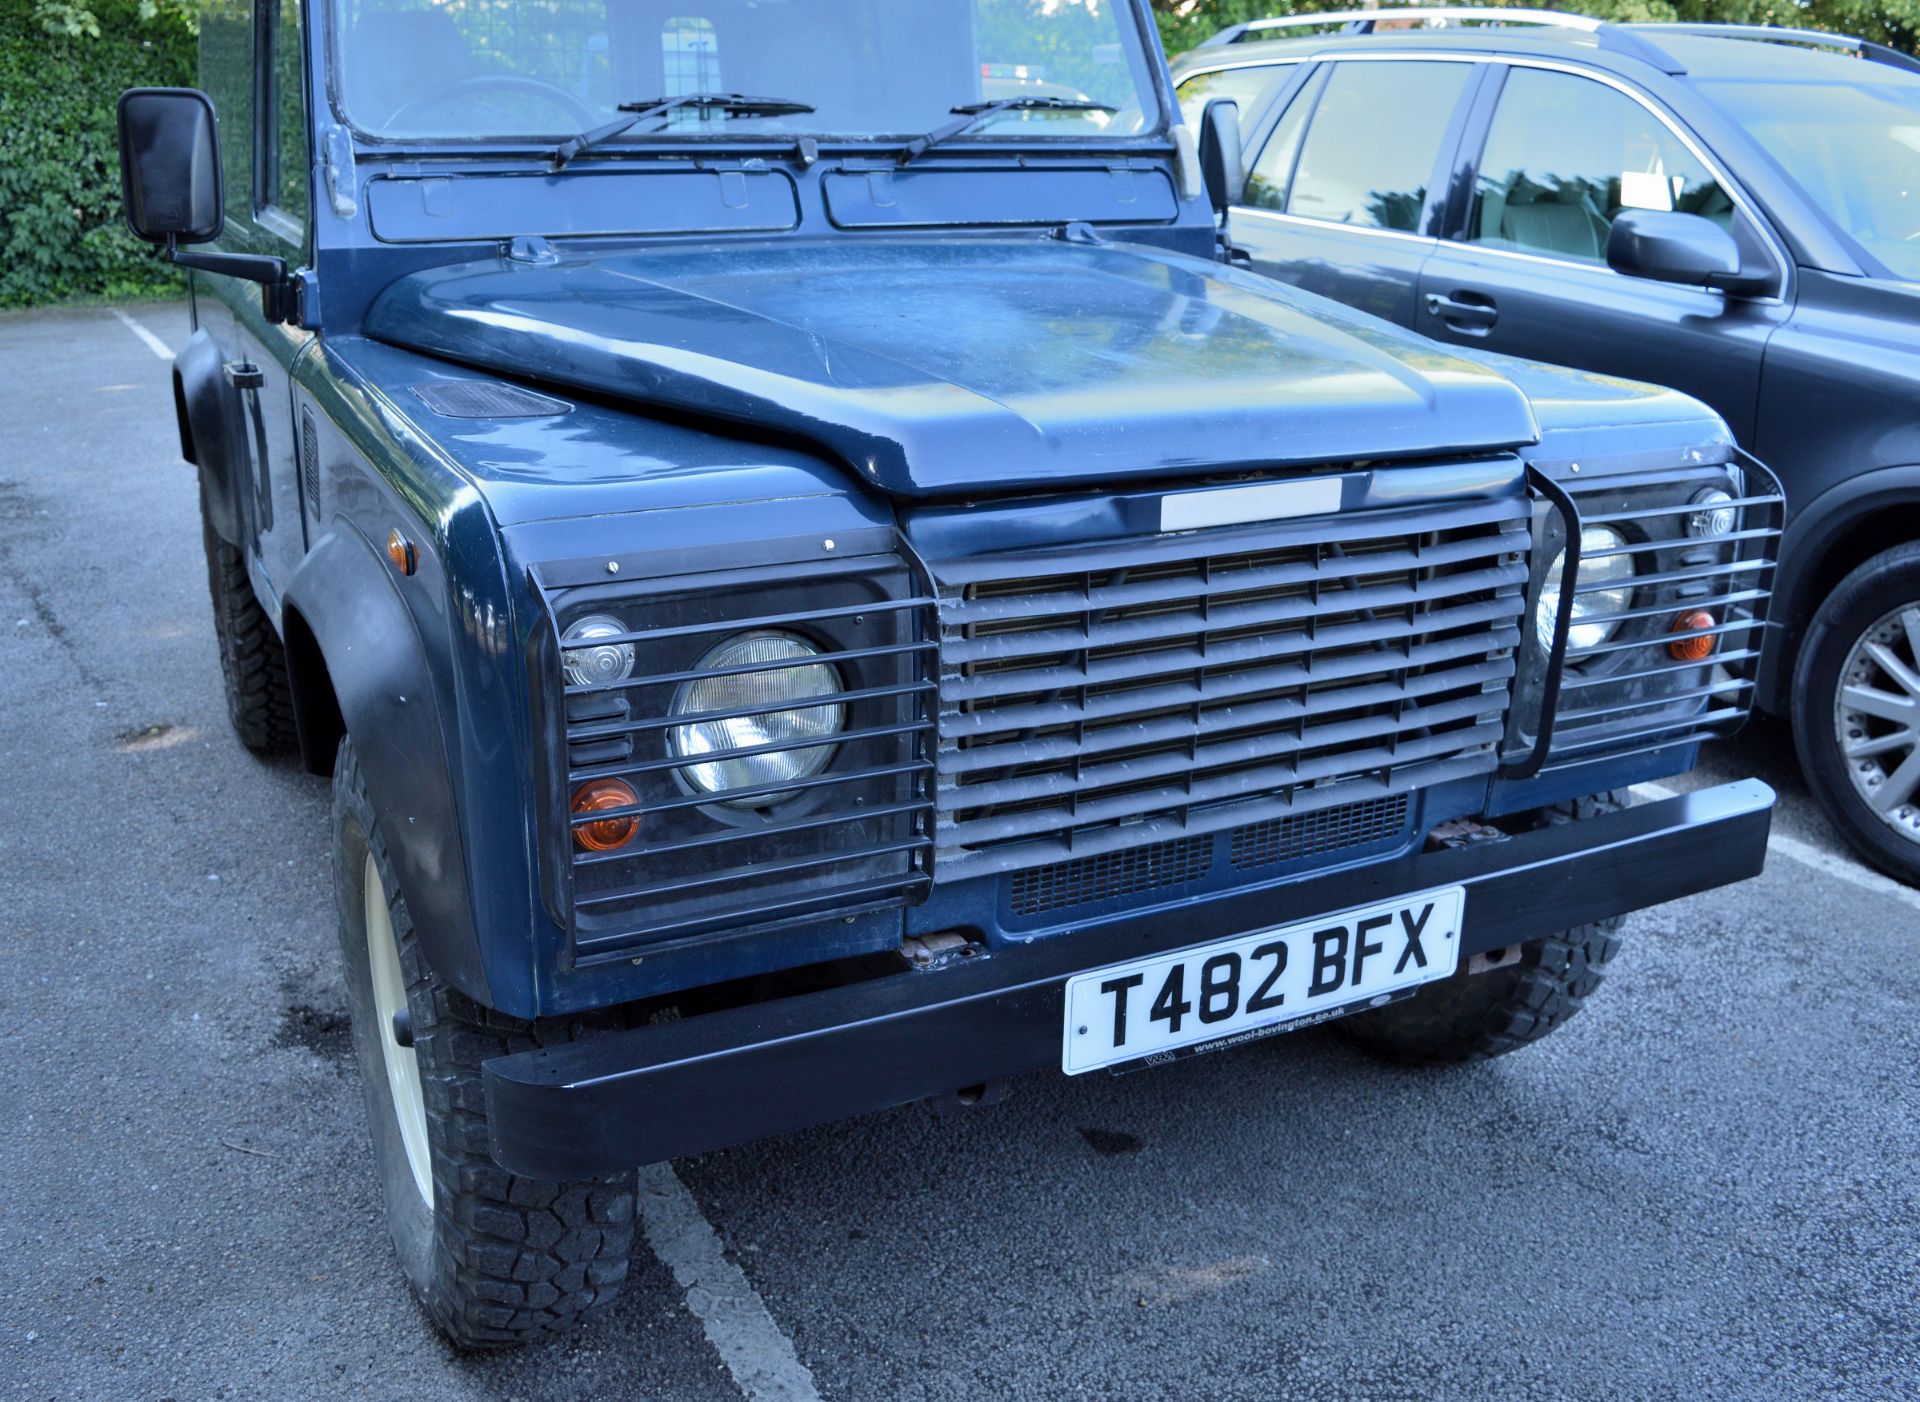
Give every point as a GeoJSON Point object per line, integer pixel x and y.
{"type": "Point", "coordinates": [1220, 163]}
{"type": "Point", "coordinates": [170, 188]}
{"type": "Point", "coordinates": [1668, 247]}
{"type": "Point", "coordinates": [170, 166]}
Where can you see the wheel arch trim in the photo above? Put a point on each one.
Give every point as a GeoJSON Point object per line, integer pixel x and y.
{"type": "Point", "coordinates": [358, 666]}
{"type": "Point", "coordinates": [202, 404]}
{"type": "Point", "coordinates": [1875, 511]}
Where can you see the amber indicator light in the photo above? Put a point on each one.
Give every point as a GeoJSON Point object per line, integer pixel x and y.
{"type": "Point", "coordinates": [609, 834]}
{"type": "Point", "coordinates": [400, 551]}
{"type": "Point", "coordinates": [1697, 649]}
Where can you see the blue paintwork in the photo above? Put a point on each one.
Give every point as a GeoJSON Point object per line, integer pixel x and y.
{"type": "Point", "coordinates": [934, 367]}
{"type": "Point", "coordinates": [1818, 376]}
{"type": "Point", "coordinates": [996, 323]}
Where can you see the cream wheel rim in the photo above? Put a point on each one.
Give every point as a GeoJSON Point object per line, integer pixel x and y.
{"type": "Point", "coordinates": [402, 1063]}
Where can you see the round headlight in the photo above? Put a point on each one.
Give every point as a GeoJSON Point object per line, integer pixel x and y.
{"type": "Point", "coordinates": [1603, 570]}
{"type": "Point", "coordinates": [747, 711]}
{"type": "Point", "coordinates": [588, 663]}
{"type": "Point", "coordinates": [1713, 515]}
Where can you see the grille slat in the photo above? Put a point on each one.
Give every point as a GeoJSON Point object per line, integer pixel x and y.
{"type": "Point", "coordinates": [1001, 608]}
{"type": "Point", "coordinates": [1157, 688]}
{"type": "Point", "coordinates": [986, 686]}
{"type": "Point", "coordinates": [1269, 742]}
{"type": "Point", "coordinates": [1297, 607]}
{"type": "Point", "coordinates": [1227, 686]}
{"type": "Point", "coordinates": [1225, 719]}
{"type": "Point", "coordinates": [1135, 804]}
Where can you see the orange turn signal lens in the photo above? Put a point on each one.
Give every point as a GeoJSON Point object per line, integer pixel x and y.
{"type": "Point", "coordinates": [609, 834]}
{"type": "Point", "coordinates": [1695, 649]}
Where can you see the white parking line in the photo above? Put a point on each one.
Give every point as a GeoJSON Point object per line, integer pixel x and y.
{"type": "Point", "coordinates": [760, 1357]}
{"type": "Point", "coordinates": [154, 343]}
{"type": "Point", "coordinates": [1805, 853]}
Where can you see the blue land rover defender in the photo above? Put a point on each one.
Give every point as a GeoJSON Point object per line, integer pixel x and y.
{"type": "Point", "coordinates": [821, 585]}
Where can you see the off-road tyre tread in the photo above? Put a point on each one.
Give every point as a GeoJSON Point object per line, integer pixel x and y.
{"type": "Point", "coordinates": [514, 1260]}
{"type": "Point", "coordinates": [1474, 1017]}
{"type": "Point", "coordinates": [252, 661]}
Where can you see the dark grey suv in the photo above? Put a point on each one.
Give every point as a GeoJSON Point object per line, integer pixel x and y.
{"type": "Point", "coordinates": [1731, 211]}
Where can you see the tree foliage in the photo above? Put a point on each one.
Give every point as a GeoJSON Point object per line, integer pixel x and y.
{"type": "Point", "coordinates": [62, 68]}
{"type": "Point", "coordinates": [1184, 23]}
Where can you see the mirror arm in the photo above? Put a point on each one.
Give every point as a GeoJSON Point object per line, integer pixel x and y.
{"type": "Point", "coordinates": [279, 292]}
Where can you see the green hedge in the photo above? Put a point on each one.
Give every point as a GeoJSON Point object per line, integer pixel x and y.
{"type": "Point", "coordinates": [62, 68]}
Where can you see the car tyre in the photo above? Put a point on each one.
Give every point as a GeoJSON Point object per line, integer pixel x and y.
{"type": "Point", "coordinates": [252, 663]}
{"type": "Point", "coordinates": [1474, 1016]}
{"type": "Point", "coordinates": [1864, 765]}
{"type": "Point", "coordinates": [496, 1259]}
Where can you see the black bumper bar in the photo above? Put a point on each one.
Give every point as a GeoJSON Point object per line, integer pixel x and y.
{"type": "Point", "coordinates": [662, 1091]}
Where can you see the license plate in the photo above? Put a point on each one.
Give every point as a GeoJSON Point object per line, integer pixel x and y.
{"type": "Point", "coordinates": [1217, 992]}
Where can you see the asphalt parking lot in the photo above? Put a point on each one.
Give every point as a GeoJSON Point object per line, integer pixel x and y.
{"type": "Point", "coordinates": [1704, 1186]}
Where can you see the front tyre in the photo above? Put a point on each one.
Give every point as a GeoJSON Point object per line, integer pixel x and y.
{"type": "Point", "coordinates": [496, 1259]}
{"type": "Point", "coordinates": [1856, 710]}
{"type": "Point", "coordinates": [253, 666]}
{"type": "Point", "coordinates": [1471, 1017]}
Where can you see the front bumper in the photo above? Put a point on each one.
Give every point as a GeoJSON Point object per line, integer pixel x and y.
{"type": "Point", "coordinates": [665, 1090]}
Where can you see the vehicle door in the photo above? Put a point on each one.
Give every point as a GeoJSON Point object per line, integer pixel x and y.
{"type": "Point", "coordinates": [1344, 195]}
{"type": "Point", "coordinates": [1524, 271]}
{"type": "Point", "coordinates": [263, 137]}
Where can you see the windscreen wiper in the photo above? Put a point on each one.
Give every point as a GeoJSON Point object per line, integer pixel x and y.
{"type": "Point", "coordinates": [974, 113]}
{"type": "Point", "coordinates": [731, 104]}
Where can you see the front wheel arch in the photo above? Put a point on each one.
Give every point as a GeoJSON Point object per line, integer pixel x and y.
{"type": "Point", "coordinates": [1827, 539]}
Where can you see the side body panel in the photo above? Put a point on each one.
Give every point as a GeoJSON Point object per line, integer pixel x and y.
{"type": "Point", "coordinates": [1839, 420]}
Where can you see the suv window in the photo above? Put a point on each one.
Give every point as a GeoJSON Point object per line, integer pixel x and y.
{"type": "Point", "coordinates": [1370, 147]}
{"type": "Point", "coordinates": [1566, 154]}
{"type": "Point", "coordinates": [1242, 85]}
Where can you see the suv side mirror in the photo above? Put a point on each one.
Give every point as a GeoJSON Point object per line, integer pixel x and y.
{"type": "Point", "coordinates": [170, 166]}
{"type": "Point", "coordinates": [1220, 163]}
{"type": "Point", "coordinates": [1668, 247]}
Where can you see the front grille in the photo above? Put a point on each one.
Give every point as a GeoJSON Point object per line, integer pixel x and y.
{"type": "Point", "coordinates": [1144, 689]}
{"type": "Point", "coordinates": [1293, 839]}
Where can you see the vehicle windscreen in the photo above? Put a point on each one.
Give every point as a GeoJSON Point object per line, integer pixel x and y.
{"type": "Point", "coordinates": [477, 70]}
{"type": "Point", "coordinates": [1851, 138]}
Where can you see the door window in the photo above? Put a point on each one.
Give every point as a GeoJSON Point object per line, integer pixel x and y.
{"type": "Point", "coordinates": [282, 157]}
{"type": "Point", "coordinates": [1566, 154]}
{"type": "Point", "coordinates": [1242, 85]}
{"type": "Point", "coordinates": [1271, 175]}
{"type": "Point", "coordinates": [1370, 147]}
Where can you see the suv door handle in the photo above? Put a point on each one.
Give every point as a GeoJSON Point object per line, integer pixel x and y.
{"type": "Point", "coordinates": [1473, 312]}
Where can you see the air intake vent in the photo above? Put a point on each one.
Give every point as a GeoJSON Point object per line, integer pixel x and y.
{"type": "Point", "coordinates": [310, 461]}
{"type": "Point", "coordinates": [1128, 872]}
{"type": "Point", "coordinates": [486, 399]}
{"type": "Point", "coordinates": [1293, 839]}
